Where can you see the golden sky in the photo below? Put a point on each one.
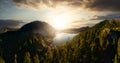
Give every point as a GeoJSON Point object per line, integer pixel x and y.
{"type": "Point", "coordinates": [61, 14]}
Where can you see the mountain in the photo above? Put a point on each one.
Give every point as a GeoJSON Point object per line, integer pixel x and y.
{"type": "Point", "coordinates": [98, 44]}
{"type": "Point", "coordinates": [29, 40]}
{"type": "Point", "coordinates": [39, 27]}
{"type": "Point", "coordinates": [74, 30]}
{"type": "Point", "coordinates": [11, 23]}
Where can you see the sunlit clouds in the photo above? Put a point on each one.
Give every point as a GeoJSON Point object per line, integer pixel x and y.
{"type": "Point", "coordinates": [61, 14]}
{"type": "Point", "coordinates": [63, 17]}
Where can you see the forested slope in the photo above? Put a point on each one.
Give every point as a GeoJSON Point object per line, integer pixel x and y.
{"type": "Point", "coordinates": [99, 44]}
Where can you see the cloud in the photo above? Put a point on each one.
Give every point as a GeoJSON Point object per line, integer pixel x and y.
{"type": "Point", "coordinates": [103, 5]}
{"type": "Point", "coordinates": [97, 5]}
{"type": "Point", "coordinates": [27, 3]}
{"type": "Point", "coordinates": [1, 7]}
{"type": "Point", "coordinates": [36, 4]}
{"type": "Point", "coordinates": [108, 16]}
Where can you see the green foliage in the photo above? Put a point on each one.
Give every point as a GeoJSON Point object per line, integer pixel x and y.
{"type": "Point", "coordinates": [15, 58]}
{"type": "Point", "coordinates": [99, 44]}
{"type": "Point", "coordinates": [36, 58]}
{"type": "Point", "coordinates": [27, 58]}
{"type": "Point", "coordinates": [1, 60]}
{"type": "Point", "coordinates": [96, 45]}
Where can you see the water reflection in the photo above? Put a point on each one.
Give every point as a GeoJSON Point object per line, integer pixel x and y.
{"type": "Point", "coordinates": [61, 38]}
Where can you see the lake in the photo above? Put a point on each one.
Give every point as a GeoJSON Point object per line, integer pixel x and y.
{"type": "Point", "coordinates": [61, 38]}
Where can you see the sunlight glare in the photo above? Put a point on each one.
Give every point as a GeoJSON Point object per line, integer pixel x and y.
{"type": "Point", "coordinates": [59, 22]}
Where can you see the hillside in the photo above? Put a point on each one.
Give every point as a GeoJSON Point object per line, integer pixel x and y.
{"type": "Point", "coordinates": [15, 45]}
{"type": "Point", "coordinates": [98, 44]}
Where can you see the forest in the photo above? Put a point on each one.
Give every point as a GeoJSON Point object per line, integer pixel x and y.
{"type": "Point", "coordinates": [98, 44]}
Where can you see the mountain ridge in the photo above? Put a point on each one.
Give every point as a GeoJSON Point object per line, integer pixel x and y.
{"type": "Point", "coordinates": [98, 44]}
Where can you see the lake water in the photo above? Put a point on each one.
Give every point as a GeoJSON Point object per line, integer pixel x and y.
{"type": "Point", "coordinates": [61, 38]}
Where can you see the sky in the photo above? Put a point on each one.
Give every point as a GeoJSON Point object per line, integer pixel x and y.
{"type": "Point", "coordinates": [61, 14]}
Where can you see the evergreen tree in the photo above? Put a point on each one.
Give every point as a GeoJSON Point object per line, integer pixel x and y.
{"type": "Point", "coordinates": [36, 59]}
{"type": "Point", "coordinates": [27, 58]}
{"type": "Point", "coordinates": [1, 60]}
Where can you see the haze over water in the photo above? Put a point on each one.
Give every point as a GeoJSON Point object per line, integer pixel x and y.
{"type": "Point", "coordinates": [62, 38]}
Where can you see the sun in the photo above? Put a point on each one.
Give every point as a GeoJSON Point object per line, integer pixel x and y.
{"type": "Point", "coordinates": [58, 25]}
{"type": "Point", "coordinates": [60, 22]}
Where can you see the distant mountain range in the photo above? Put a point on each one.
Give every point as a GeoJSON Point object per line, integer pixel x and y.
{"type": "Point", "coordinates": [74, 30]}
{"type": "Point", "coordinates": [16, 24]}
{"type": "Point", "coordinates": [11, 23]}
